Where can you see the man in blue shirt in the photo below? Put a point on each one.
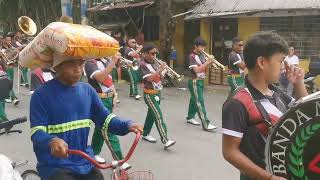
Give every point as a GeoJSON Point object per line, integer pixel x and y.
{"type": "Point", "coordinates": [61, 112]}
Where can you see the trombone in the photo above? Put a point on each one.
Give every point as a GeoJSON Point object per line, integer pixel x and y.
{"type": "Point", "coordinates": [170, 72]}
{"type": "Point", "coordinates": [216, 63]}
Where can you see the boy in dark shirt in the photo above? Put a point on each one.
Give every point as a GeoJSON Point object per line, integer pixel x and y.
{"type": "Point", "coordinates": [244, 130]}
{"type": "Point", "coordinates": [236, 65]}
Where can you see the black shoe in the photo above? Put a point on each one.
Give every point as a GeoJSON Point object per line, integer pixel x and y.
{"type": "Point", "coordinates": [16, 102]}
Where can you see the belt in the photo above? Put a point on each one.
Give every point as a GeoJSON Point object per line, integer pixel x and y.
{"type": "Point", "coordinates": [151, 91]}
{"type": "Point", "coordinates": [106, 95]}
{"type": "Point", "coordinates": [235, 75]}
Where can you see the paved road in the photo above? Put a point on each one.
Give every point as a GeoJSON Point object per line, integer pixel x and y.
{"type": "Point", "coordinates": [196, 156]}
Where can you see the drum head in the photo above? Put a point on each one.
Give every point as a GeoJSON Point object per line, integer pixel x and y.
{"type": "Point", "coordinates": [293, 145]}
{"type": "Point", "coordinates": [6, 86]}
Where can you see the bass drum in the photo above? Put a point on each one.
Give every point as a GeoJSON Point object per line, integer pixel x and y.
{"type": "Point", "coordinates": [6, 86]}
{"type": "Point", "coordinates": [293, 146]}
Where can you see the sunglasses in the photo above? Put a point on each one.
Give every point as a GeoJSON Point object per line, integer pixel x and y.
{"type": "Point", "coordinates": [240, 45]}
{"type": "Point", "coordinates": [134, 42]}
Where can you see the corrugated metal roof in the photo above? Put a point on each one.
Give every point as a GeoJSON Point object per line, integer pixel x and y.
{"type": "Point", "coordinates": [209, 8]}
{"type": "Point", "coordinates": [120, 5]}
{"type": "Point", "coordinates": [110, 25]}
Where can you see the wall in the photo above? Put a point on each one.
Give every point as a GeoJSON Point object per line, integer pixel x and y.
{"type": "Point", "coordinates": [248, 26]}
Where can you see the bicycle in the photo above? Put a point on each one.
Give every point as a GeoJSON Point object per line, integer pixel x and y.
{"type": "Point", "coordinates": [118, 173]}
{"type": "Point", "coordinates": [10, 167]}
{"type": "Point", "coordinates": [8, 125]}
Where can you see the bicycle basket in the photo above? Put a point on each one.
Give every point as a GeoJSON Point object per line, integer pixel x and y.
{"type": "Point", "coordinates": [140, 175]}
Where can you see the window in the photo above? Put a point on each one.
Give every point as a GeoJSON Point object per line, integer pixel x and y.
{"type": "Point", "coordinates": [302, 32]}
{"type": "Point", "coordinates": [151, 28]}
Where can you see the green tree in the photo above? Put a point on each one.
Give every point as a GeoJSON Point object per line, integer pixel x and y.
{"type": "Point", "coordinates": [166, 27]}
{"type": "Point", "coordinates": [42, 12]}
{"type": "Point", "coordinates": [76, 11]}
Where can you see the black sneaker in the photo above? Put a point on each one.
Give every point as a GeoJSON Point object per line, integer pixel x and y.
{"type": "Point", "coordinates": [16, 102]}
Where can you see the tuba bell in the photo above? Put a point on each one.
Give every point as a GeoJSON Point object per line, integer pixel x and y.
{"type": "Point", "coordinates": [27, 25]}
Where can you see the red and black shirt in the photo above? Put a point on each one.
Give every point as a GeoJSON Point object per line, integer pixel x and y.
{"type": "Point", "coordinates": [242, 118]}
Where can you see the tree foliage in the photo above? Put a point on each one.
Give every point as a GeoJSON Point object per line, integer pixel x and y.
{"type": "Point", "coordinates": [41, 11]}
{"type": "Point", "coordinates": [167, 27]}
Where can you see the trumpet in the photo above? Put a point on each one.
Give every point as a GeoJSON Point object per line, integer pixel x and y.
{"type": "Point", "coordinates": [126, 63]}
{"type": "Point", "coordinates": [170, 72]}
{"type": "Point", "coordinates": [216, 63]}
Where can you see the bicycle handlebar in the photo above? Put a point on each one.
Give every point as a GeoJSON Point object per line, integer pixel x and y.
{"type": "Point", "coordinates": [107, 165]}
{"type": "Point", "coordinates": [10, 123]}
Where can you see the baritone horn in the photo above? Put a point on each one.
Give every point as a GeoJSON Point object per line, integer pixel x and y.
{"type": "Point", "coordinates": [9, 56]}
{"type": "Point", "coordinates": [216, 63]}
{"type": "Point", "coordinates": [170, 72]}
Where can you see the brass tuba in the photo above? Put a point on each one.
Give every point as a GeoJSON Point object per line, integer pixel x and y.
{"type": "Point", "coordinates": [27, 25]}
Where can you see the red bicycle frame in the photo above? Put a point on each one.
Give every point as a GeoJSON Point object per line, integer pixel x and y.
{"type": "Point", "coordinates": [113, 164]}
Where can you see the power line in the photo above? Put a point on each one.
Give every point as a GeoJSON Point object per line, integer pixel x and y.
{"type": "Point", "coordinates": [135, 26]}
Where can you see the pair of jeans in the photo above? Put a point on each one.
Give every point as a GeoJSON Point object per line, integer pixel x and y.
{"type": "Point", "coordinates": [64, 174]}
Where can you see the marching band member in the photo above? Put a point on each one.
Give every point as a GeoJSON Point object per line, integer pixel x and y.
{"type": "Point", "coordinates": [99, 77]}
{"type": "Point", "coordinates": [252, 109]}
{"type": "Point", "coordinates": [3, 116]}
{"type": "Point", "coordinates": [10, 70]}
{"type": "Point", "coordinates": [198, 66]}
{"type": "Point", "coordinates": [151, 73]}
{"type": "Point", "coordinates": [18, 44]}
{"type": "Point", "coordinates": [237, 67]}
{"type": "Point", "coordinates": [132, 53]}
{"type": "Point", "coordinates": [40, 76]}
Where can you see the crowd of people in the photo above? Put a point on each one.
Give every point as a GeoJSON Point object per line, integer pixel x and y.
{"type": "Point", "coordinates": [62, 120]}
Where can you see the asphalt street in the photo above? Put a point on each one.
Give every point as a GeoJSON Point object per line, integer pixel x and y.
{"type": "Point", "coordinates": [196, 155]}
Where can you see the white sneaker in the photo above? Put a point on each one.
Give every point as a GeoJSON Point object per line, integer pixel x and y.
{"type": "Point", "coordinates": [125, 166]}
{"type": "Point", "coordinates": [169, 144]}
{"type": "Point", "coordinates": [8, 100]}
{"type": "Point", "coordinates": [149, 138]}
{"type": "Point", "coordinates": [117, 101]}
{"type": "Point", "coordinates": [210, 127]}
{"type": "Point", "coordinates": [99, 159]}
{"type": "Point", "coordinates": [137, 97]}
{"type": "Point", "coordinates": [193, 121]}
